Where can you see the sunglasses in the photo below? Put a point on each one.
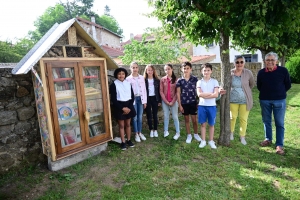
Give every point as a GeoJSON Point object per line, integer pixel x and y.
{"type": "Point", "coordinates": [238, 62]}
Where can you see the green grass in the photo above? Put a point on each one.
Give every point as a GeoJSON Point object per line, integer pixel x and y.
{"type": "Point", "coordinates": [161, 168]}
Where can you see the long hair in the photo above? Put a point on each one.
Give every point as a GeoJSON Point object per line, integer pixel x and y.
{"type": "Point", "coordinates": [173, 74]}
{"type": "Point", "coordinates": [154, 72]}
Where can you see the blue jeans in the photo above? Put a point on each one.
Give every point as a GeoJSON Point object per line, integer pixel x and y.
{"type": "Point", "coordinates": [137, 120]}
{"type": "Point", "coordinates": [278, 108]}
{"type": "Point", "coordinates": [174, 111]}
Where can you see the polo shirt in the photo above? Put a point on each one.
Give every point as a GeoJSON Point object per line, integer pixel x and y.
{"type": "Point", "coordinates": [188, 89]}
{"type": "Point", "coordinates": [208, 86]}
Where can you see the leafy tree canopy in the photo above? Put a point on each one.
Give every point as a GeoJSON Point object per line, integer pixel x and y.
{"type": "Point", "coordinates": [155, 48]}
{"type": "Point", "coordinates": [14, 52]}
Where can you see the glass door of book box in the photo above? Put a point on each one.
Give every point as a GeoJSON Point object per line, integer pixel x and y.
{"type": "Point", "coordinates": [94, 82]}
{"type": "Point", "coordinates": [79, 117]}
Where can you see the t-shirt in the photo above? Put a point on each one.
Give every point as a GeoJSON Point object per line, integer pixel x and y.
{"type": "Point", "coordinates": [208, 86]}
{"type": "Point", "coordinates": [188, 89]}
{"type": "Point", "coordinates": [151, 87]}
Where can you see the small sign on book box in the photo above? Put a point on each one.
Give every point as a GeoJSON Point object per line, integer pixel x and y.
{"type": "Point", "coordinates": [65, 93]}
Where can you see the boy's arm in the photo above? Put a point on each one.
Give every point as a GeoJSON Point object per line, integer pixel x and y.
{"type": "Point", "coordinates": [178, 93]}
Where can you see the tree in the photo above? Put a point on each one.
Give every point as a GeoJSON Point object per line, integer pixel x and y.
{"type": "Point", "coordinates": [14, 52]}
{"type": "Point", "coordinates": [270, 26]}
{"type": "Point", "coordinates": [110, 23]}
{"type": "Point", "coordinates": [52, 15]}
{"type": "Point", "coordinates": [107, 10]}
{"type": "Point", "coordinates": [159, 49]}
{"type": "Point", "coordinates": [205, 21]}
{"type": "Point", "coordinates": [64, 11]}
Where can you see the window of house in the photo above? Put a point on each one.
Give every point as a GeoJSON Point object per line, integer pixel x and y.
{"type": "Point", "coordinates": [250, 57]}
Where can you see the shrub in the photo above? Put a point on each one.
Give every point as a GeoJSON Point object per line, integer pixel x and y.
{"type": "Point", "coordinates": [293, 66]}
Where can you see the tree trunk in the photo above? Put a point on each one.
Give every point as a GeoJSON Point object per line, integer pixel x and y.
{"type": "Point", "coordinates": [263, 54]}
{"type": "Point", "coordinates": [224, 138]}
{"type": "Point", "coordinates": [282, 59]}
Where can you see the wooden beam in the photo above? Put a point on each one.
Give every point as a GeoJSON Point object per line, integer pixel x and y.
{"type": "Point", "coordinates": [72, 36]}
{"type": "Point", "coordinates": [64, 51]}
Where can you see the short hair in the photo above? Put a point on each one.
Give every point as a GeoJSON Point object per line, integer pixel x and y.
{"type": "Point", "coordinates": [120, 70]}
{"type": "Point", "coordinates": [207, 65]}
{"type": "Point", "coordinates": [239, 57]}
{"type": "Point", "coordinates": [132, 63]}
{"type": "Point", "coordinates": [186, 64]}
{"type": "Point", "coordinates": [271, 54]}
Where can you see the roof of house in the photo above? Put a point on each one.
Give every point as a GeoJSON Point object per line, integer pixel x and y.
{"type": "Point", "coordinates": [50, 38]}
{"type": "Point", "coordinates": [112, 52]}
{"type": "Point", "coordinates": [96, 25]}
{"type": "Point", "coordinates": [199, 59]}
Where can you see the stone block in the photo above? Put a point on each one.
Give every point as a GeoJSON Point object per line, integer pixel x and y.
{"type": "Point", "coordinates": [22, 127]}
{"type": "Point", "coordinates": [76, 158]}
{"type": "Point", "coordinates": [25, 113]}
{"type": "Point", "coordinates": [8, 117]}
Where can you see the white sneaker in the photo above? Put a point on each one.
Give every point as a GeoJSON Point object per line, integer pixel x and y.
{"type": "Point", "coordinates": [212, 144]}
{"type": "Point", "coordinates": [155, 134]}
{"type": "Point", "coordinates": [142, 136]}
{"type": "Point", "coordinates": [166, 133]}
{"type": "Point", "coordinates": [176, 136]}
{"type": "Point", "coordinates": [189, 138]}
{"type": "Point", "coordinates": [137, 138]}
{"type": "Point", "coordinates": [202, 144]}
{"type": "Point", "coordinates": [243, 141]}
{"type": "Point", "coordinates": [197, 137]}
{"type": "Point", "coordinates": [151, 134]}
{"type": "Point", "coordinates": [231, 136]}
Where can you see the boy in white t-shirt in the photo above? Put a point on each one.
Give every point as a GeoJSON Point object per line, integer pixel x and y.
{"type": "Point", "coordinates": [207, 91]}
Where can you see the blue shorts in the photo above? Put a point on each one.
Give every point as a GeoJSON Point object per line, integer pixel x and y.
{"type": "Point", "coordinates": [207, 113]}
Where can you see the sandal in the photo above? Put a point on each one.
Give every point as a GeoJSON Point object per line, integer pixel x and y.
{"type": "Point", "coordinates": [266, 143]}
{"type": "Point", "coordinates": [279, 150]}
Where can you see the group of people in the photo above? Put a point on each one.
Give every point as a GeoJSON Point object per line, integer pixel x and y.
{"type": "Point", "coordinates": [133, 94]}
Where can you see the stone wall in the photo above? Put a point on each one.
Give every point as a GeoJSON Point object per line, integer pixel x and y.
{"type": "Point", "coordinates": [254, 67]}
{"type": "Point", "coordinates": [20, 141]}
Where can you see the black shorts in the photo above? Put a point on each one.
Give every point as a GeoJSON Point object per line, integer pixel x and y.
{"type": "Point", "coordinates": [190, 109]}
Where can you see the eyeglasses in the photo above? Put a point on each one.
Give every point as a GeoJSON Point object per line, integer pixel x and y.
{"type": "Point", "coordinates": [238, 62]}
{"type": "Point", "coordinates": [270, 60]}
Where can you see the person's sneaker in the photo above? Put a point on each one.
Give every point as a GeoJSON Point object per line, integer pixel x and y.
{"type": "Point", "coordinates": [243, 141]}
{"type": "Point", "coordinates": [130, 144]}
{"type": "Point", "coordinates": [231, 136]}
{"type": "Point", "coordinates": [123, 146]}
{"type": "Point", "coordinates": [166, 133]}
{"type": "Point", "coordinates": [151, 134]}
{"type": "Point", "coordinates": [202, 144]}
{"type": "Point", "coordinates": [142, 136]}
{"type": "Point", "coordinates": [212, 144]}
{"type": "Point", "coordinates": [197, 137]}
{"type": "Point", "coordinates": [189, 138]}
{"type": "Point", "coordinates": [155, 134]}
{"type": "Point", "coordinates": [176, 136]}
{"type": "Point", "coordinates": [137, 138]}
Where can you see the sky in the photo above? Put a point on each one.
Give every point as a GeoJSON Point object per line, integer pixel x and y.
{"type": "Point", "coordinates": [17, 16]}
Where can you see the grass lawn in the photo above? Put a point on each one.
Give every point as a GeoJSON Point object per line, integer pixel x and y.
{"type": "Point", "coordinates": [161, 168]}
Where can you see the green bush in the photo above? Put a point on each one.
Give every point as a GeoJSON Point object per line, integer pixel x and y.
{"type": "Point", "coordinates": [293, 66]}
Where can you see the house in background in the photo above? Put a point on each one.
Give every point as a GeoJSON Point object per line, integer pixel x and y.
{"type": "Point", "coordinates": [109, 41]}
{"type": "Point", "coordinates": [214, 49]}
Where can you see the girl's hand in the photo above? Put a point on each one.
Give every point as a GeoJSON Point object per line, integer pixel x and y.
{"type": "Point", "coordinates": [170, 103]}
{"type": "Point", "coordinates": [126, 110]}
{"type": "Point", "coordinates": [181, 109]}
{"type": "Point", "coordinates": [145, 105]}
{"type": "Point", "coordinates": [159, 104]}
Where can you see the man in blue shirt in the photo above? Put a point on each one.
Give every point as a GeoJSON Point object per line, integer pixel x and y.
{"type": "Point", "coordinates": [273, 82]}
